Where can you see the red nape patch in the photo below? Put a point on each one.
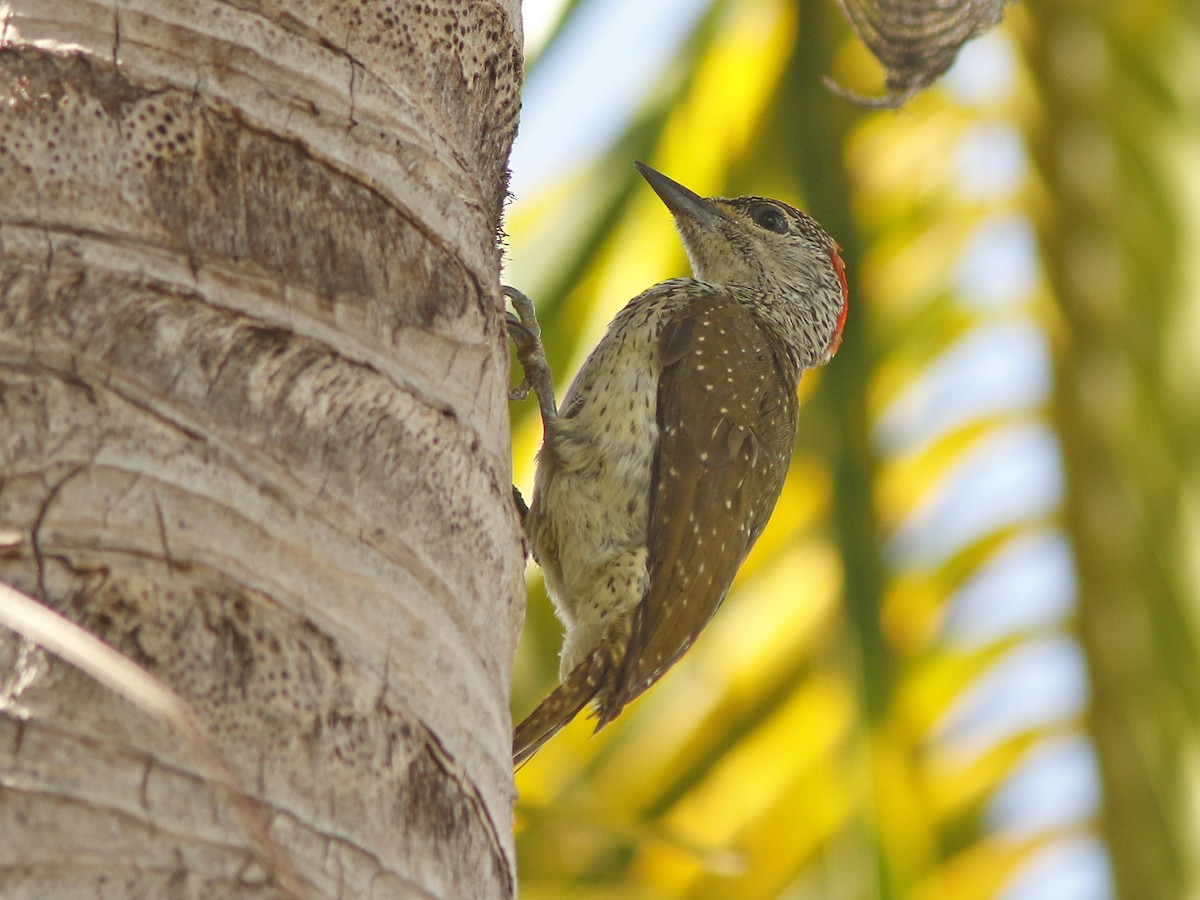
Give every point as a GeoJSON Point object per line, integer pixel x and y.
{"type": "Point", "coordinates": [840, 268]}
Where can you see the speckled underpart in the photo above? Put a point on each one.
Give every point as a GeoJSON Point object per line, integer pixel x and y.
{"type": "Point", "coordinates": [672, 446]}
{"type": "Point", "coordinates": [596, 464]}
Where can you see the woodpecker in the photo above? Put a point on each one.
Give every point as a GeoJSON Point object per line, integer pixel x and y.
{"type": "Point", "coordinates": [661, 468]}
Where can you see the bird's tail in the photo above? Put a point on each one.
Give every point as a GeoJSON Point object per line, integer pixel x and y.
{"type": "Point", "coordinates": [559, 708]}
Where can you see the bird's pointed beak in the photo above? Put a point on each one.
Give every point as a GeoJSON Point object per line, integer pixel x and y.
{"type": "Point", "coordinates": [682, 202]}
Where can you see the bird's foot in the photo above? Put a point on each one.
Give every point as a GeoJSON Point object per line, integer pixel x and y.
{"type": "Point", "coordinates": [526, 334]}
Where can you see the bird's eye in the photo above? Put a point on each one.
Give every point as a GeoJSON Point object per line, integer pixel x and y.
{"type": "Point", "coordinates": [770, 217]}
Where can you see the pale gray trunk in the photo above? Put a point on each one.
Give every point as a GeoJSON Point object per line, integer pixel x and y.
{"type": "Point", "coordinates": [254, 434]}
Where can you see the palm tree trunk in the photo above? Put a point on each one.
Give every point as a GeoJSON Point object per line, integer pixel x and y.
{"type": "Point", "coordinates": [254, 434]}
{"type": "Point", "coordinates": [1116, 251]}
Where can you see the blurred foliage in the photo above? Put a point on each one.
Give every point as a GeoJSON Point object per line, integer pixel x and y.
{"type": "Point", "coordinates": [895, 681]}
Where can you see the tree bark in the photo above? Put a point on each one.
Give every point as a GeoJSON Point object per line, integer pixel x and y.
{"type": "Point", "coordinates": [254, 434]}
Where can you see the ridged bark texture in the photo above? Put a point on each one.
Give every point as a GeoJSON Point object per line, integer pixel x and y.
{"type": "Point", "coordinates": [254, 434]}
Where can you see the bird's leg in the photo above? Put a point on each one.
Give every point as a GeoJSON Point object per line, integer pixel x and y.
{"type": "Point", "coordinates": [523, 328]}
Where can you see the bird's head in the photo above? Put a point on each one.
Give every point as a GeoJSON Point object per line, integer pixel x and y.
{"type": "Point", "coordinates": [771, 249]}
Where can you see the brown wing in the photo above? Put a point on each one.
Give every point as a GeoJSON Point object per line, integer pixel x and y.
{"type": "Point", "coordinates": [727, 418]}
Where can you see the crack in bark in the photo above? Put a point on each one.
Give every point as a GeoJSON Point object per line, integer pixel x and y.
{"type": "Point", "coordinates": [35, 536]}
{"type": "Point", "coordinates": [443, 759]}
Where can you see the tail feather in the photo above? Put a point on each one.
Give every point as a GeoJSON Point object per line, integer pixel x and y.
{"type": "Point", "coordinates": [559, 708]}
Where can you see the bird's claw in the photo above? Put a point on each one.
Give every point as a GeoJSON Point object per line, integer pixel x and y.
{"type": "Point", "coordinates": [517, 330]}
{"type": "Point", "coordinates": [526, 334]}
{"type": "Point", "coordinates": [527, 345]}
{"type": "Point", "coordinates": [519, 334]}
{"type": "Point", "coordinates": [525, 316]}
